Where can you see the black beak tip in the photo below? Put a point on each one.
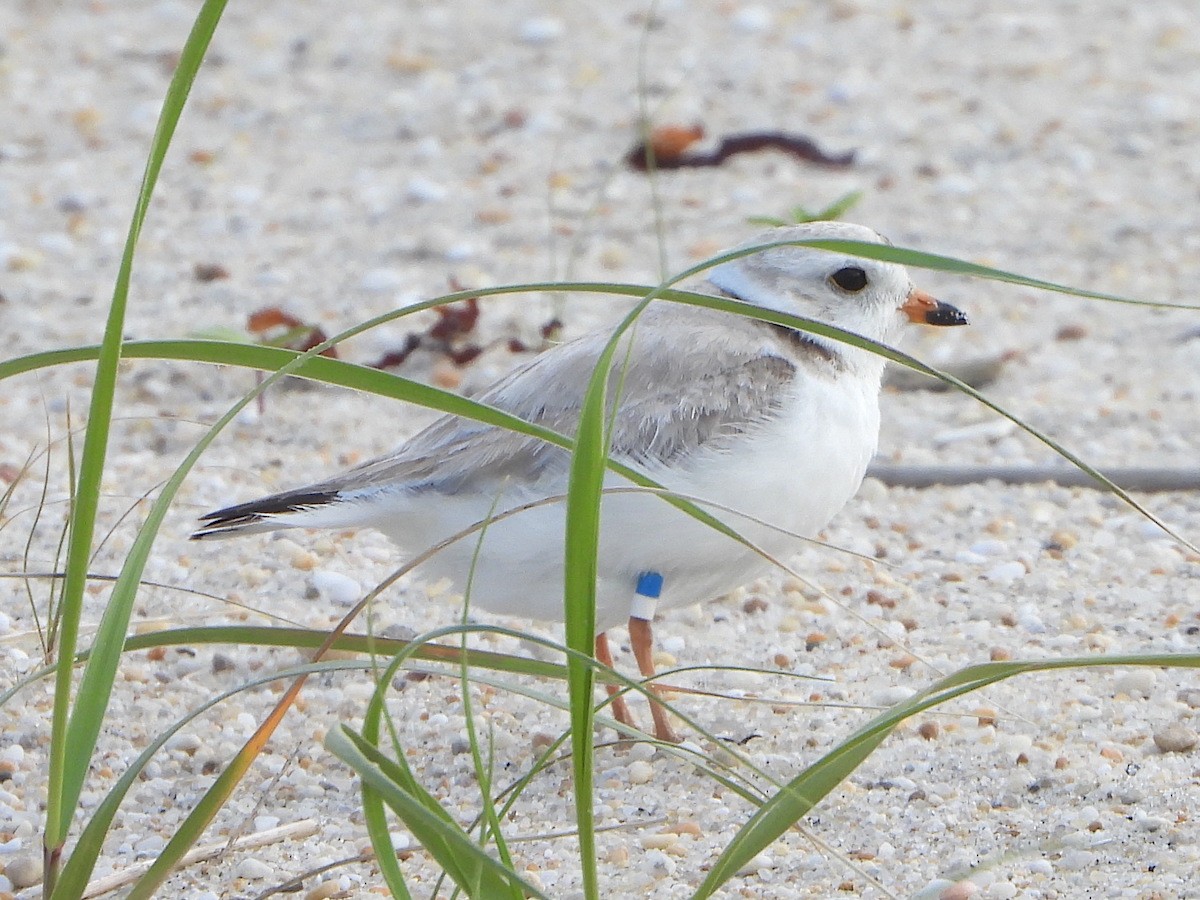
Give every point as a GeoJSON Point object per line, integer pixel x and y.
{"type": "Point", "coordinates": [945, 314]}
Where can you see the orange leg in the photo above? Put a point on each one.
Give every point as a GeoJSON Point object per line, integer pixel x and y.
{"type": "Point", "coordinates": [620, 709]}
{"type": "Point", "coordinates": [641, 635]}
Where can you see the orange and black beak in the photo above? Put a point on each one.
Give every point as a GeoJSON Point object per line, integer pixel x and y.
{"type": "Point", "coordinates": [926, 310]}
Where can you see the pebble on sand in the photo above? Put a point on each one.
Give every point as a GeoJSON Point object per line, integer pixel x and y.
{"type": "Point", "coordinates": [335, 588]}
{"type": "Point", "coordinates": [1176, 738]}
{"type": "Point", "coordinates": [254, 869]}
{"type": "Point", "coordinates": [640, 772]}
{"type": "Point", "coordinates": [540, 30]}
{"type": "Point", "coordinates": [24, 871]}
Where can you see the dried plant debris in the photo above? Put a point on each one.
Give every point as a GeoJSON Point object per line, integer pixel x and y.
{"type": "Point", "coordinates": [394, 358]}
{"type": "Point", "coordinates": [449, 335]}
{"type": "Point", "coordinates": [551, 333]}
{"type": "Point", "coordinates": [276, 328]}
{"type": "Point", "coordinates": [209, 272]}
{"type": "Point", "coordinates": [668, 144]}
{"type": "Point", "coordinates": [456, 320]}
{"type": "Point", "coordinates": [668, 148]}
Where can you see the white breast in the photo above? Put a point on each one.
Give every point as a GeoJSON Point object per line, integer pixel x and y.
{"type": "Point", "coordinates": [794, 472]}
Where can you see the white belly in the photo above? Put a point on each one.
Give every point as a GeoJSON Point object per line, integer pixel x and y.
{"type": "Point", "coordinates": [795, 474]}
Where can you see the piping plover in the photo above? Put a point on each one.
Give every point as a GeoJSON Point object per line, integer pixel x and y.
{"type": "Point", "coordinates": [771, 422]}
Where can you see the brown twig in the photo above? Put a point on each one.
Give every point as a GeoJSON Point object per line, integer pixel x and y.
{"type": "Point", "coordinates": [671, 154]}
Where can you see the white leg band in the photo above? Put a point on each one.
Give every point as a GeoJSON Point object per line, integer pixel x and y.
{"type": "Point", "coordinates": [645, 597]}
{"type": "Point", "coordinates": [643, 607]}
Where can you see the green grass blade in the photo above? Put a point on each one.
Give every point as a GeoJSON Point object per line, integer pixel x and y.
{"type": "Point", "coordinates": [384, 384]}
{"type": "Point", "coordinates": [381, 842]}
{"type": "Point", "coordinates": [842, 205]}
{"type": "Point", "coordinates": [66, 773]}
{"type": "Point", "coordinates": [921, 260]}
{"type": "Point", "coordinates": [489, 823]}
{"type": "Point", "coordinates": [87, 850]}
{"type": "Point", "coordinates": [801, 794]}
{"type": "Point", "coordinates": [189, 831]}
{"type": "Point", "coordinates": [308, 639]}
{"type": "Point", "coordinates": [305, 638]}
{"type": "Point", "coordinates": [373, 800]}
{"type": "Point", "coordinates": [471, 868]}
{"type": "Point", "coordinates": [336, 372]}
{"type": "Point", "coordinates": [589, 463]}
{"type": "Point", "coordinates": [579, 598]}
{"type": "Point", "coordinates": [345, 374]}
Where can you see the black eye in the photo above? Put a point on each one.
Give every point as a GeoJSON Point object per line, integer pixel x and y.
{"type": "Point", "coordinates": [851, 278]}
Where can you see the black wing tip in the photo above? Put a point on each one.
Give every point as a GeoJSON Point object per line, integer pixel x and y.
{"type": "Point", "coordinates": [223, 522]}
{"type": "Point", "coordinates": [223, 528]}
{"type": "Point", "coordinates": [275, 505]}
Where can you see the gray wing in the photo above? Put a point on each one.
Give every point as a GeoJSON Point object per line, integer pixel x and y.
{"type": "Point", "coordinates": [696, 379]}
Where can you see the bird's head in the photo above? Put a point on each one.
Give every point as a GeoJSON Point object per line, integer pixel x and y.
{"type": "Point", "coordinates": [870, 297]}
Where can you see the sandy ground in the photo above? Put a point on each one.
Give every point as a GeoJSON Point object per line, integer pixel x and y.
{"type": "Point", "coordinates": [340, 162]}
